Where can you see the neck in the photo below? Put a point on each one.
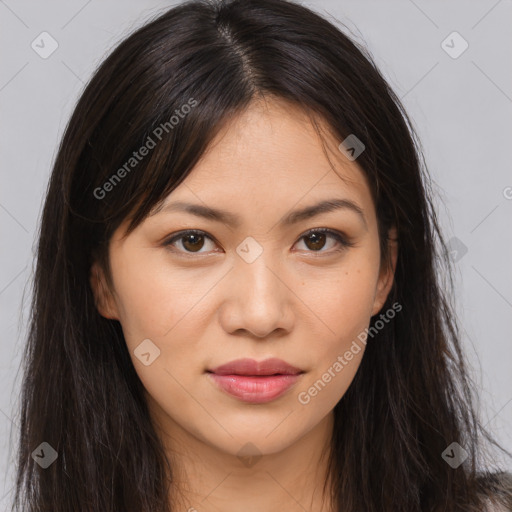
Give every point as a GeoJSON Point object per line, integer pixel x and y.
{"type": "Point", "coordinates": [207, 479]}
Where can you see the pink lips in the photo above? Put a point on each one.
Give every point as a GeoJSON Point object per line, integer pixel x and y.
{"type": "Point", "coordinates": [255, 382]}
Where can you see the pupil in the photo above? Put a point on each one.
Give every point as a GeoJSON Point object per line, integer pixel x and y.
{"type": "Point", "coordinates": [318, 240]}
{"type": "Point", "coordinates": [194, 243]}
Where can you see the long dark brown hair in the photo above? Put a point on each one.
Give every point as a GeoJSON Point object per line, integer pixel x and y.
{"type": "Point", "coordinates": [411, 397]}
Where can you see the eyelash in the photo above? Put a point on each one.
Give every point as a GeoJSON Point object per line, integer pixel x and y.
{"type": "Point", "coordinates": [341, 239]}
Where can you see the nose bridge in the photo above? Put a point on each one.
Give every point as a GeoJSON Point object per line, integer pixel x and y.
{"type": "Point", "coordinates": [259, 301]}
{"type": "Point", "coordinates": [256, 270]}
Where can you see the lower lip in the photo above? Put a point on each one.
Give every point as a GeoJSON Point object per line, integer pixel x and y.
{"type": "Point", "coordinates": [255, 390]}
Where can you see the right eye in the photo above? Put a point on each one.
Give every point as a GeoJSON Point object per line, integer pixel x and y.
{"type": "Point", "coordinates": [191, 241]}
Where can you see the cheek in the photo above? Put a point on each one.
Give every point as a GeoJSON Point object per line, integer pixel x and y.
{"type": "Point", "coordinates": [343, 303]}
{"type": "Point", "coordinates": [164, 307]}
{"type": "Point", "coordinates": [343, 298]}
{"type": "Point", "coordinates": [151, 299]}
{"type": "Point", "coordinates": [348, 300]}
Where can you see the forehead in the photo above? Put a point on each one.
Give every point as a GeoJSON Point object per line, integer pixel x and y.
{"type": "Point", "coordinates": [272, 152]}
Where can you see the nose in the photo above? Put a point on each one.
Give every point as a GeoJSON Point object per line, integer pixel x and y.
{"type": "Point", "coordinates": [258, 301]}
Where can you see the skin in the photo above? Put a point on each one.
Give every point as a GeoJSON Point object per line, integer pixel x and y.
{"type": "Point", "coordinates": [301, 302]}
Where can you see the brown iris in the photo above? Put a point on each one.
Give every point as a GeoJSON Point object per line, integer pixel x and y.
{"type": "Point", "coordinates": [193, 242]}
{"type": "Point", "coordinates": [318, 240]}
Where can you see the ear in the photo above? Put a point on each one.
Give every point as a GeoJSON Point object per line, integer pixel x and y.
{"type": "Point", "coordinates": [103, 298]}
{"type": "Point", "coordinates": [387, 273]}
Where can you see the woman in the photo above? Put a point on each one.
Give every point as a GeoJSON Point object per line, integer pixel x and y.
{"type": "Point", "coordinates": [237, 302]}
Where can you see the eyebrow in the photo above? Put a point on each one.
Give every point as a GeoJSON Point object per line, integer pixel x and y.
{"type": "Point", "coordinates": [291, 218]}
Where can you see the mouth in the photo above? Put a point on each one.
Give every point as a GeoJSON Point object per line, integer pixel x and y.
{"type": "Point", "coordinates": [255, 382]}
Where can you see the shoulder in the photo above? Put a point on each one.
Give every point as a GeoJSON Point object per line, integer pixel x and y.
{"type": "Point", "coordinates": [495, 507]}
{"type": "Point", "coordinates": [497, 487]}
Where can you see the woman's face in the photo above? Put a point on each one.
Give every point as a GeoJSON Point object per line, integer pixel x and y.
{"type": "Point", "coordinates": [251, 286]}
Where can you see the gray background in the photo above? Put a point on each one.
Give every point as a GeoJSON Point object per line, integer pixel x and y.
{"type": "Point", "coordinates": [460, 106]}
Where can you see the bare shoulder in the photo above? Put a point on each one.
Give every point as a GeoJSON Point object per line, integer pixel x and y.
{"type": "Point", "coordinates": [499, 487]}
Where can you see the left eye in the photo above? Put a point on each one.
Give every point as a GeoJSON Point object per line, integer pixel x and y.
{"type": "Point", "coordinates": [316, 237]}
{"type": "Point", "coordinates": [192, 241]}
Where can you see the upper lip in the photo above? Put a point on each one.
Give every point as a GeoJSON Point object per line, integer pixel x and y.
{"type": "Point", "coordinates": [272, 366]}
